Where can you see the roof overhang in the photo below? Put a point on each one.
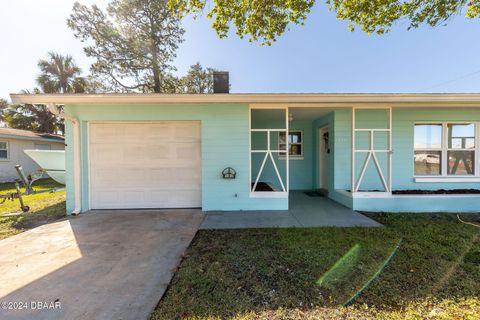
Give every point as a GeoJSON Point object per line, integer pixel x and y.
{"type": "Point", "coordinates": [39, 139]}
{"type": "Point", "coordinates": [344, 99]}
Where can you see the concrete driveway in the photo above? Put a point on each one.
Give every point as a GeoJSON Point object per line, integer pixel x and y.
{"type": "Point", "coordinates": [99, 265]}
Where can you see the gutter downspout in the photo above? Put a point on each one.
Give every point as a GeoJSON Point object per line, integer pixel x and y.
{"type": "Point", "coordinates": [76, 154]}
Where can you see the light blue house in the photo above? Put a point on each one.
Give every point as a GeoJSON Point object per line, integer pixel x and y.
{"type": "Point", "coordinates": [371, 152]}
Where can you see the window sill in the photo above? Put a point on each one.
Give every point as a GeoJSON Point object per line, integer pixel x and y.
{"type": "Point", "coordinates": [446, 179]}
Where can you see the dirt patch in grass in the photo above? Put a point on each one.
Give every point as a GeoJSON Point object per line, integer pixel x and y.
{"type": "Point", "coordinates": [310, 273]}
{"type": "Point", "coordinates": [40, 217]}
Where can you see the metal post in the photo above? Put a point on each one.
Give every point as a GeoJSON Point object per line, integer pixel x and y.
{"type": "Point", "coordinates": [390, 150]}
{"type": "Point", "coordinates": [352, 188]}
{"type": "Point", "coordinates": [287, 152]}
{"type": "Point", "coordinates": [24, 179]}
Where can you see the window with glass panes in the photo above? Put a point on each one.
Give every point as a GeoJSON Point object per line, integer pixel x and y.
{"type": "Point", "coordinates": [295, 143]}
{"type": "Point", "coordinates": [445, 149]}
{"type": "Point", "coordinates": [3, 150]}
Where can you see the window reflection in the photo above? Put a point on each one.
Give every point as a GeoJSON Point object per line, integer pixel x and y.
{"type": "Point", "coordinates": [427, 163]}
{"type": "Point", "coordinates": [461, 136]}
{"type": "Point", "coordinates": [428, 136]}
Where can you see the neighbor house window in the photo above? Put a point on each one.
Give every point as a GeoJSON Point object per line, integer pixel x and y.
{"type": "Point", "coordinates": [295, 143]}
{"type": "Point", "coordinates": [3, 150]}
{"type": "Point", "coordinates": [42, 146]}
{"type": "Point", "coordinates": [444, 149]}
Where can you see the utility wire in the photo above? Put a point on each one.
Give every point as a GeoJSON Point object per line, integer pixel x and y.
{"type": "Point", "coordinates": [468, 75]}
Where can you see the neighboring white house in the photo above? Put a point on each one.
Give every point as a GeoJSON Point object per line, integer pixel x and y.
{"type": "Point", "coordinates": [12, 144]}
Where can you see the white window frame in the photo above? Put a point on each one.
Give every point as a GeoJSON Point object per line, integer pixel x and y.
{"type": "Point", "coordinates": [284, 193]}
{"type": "Point", "coordinates": [371, 154]}
{"type": "Point", "coordinates": [7, 149]}
{"type": "Point", "coordinates": [291, 156]}
{"type": "Point", "coordinates": [444, 176]}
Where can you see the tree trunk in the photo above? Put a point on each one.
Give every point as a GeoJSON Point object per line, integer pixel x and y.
{"type": "Point", "coordinates": [155, 67]}
{"type": "Point", "coordinates": [156, 78]}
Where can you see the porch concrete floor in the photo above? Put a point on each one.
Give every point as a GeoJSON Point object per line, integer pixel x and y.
{"type": "Point", "coordinates": [304, 212]}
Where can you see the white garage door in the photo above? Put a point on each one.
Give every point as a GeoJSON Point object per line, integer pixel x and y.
{"type": "Point", "coordinates": [145, 165]}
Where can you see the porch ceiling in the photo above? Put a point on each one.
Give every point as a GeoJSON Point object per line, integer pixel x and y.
{"type": "Point", "coordinates": [298, 113]}
{"type": "Point", "coordinates": [309, 113]}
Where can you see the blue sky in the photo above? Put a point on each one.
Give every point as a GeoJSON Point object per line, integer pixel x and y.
{"type": "Point", "coordinates": [322, 56]}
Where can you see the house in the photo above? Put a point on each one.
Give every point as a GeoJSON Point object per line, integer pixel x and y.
{"type": "Point", "coordinates": [371, 152]}
{"type": "Point", "coordinates": [12, 144]}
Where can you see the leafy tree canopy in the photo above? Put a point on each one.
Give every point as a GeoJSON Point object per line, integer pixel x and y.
{"type": "Point", "coordinates": [133, 43]}
{"type": "Point", "coordinates": [58, 74]}
{"type": "Point", "coordinates": [33, 117]}
{"type": "Point", "coordinates": [3, 104]}
{"type": "Point", "coordinates": [266, 20]}
{"type": "Point", "coordinates": [198, 80]}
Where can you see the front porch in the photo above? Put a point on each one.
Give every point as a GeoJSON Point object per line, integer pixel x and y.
{"type": "Point", "coordinates": [334, 149]}
{"type": "Point", "coordinates": [348, 153]}
{"type": "Point", "coordinates": [304, 212]}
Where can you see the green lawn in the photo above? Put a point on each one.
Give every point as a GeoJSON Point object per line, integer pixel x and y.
{"type": "Point", "coordinates": [44, 208]}
{"type": "Point", "coordinates": [311, 273]}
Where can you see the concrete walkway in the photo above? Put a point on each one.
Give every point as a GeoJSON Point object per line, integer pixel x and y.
{"type": "Point", "coordinates": [99, 265]}
{"type": "Point", "coordinates": [305, 212]}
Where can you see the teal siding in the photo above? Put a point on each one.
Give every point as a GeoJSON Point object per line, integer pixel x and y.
{"type": "Point", "coordinates": [402, 139]}
{"type": "Point", "coordinates": [403, 126]}
{"type": "Point", "coordinates": [419, 204]}
{"type": "Point", "coordinates": [224, 143]}
{"type": "Point", "coordinates": [402, 162]}
{"type": "Point", "coordinates": [342, 149]}
{"type": "Point", "coordinates": [371, 119]}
